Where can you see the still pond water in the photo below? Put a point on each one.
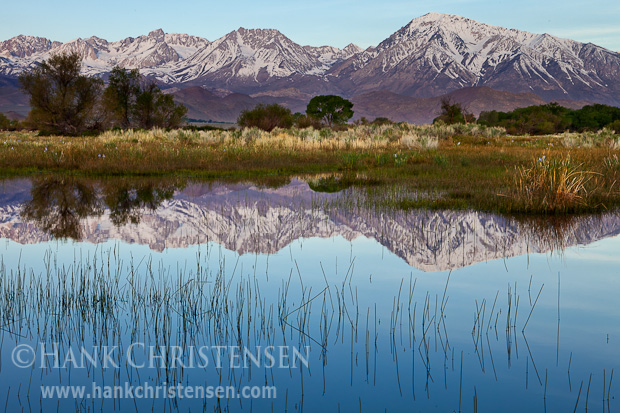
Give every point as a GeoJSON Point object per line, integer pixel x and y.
{"type": "Point", "coordinates": [149, 294]}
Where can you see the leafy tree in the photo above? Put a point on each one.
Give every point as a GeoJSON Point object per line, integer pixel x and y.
{"type": "Point", "coordinates": [133, 102]}
{"type": "Point", "coordinates": [168, 114]}
{"type": "Point", "coordinates": [331, 109]}
{"type": "Point", "coordinates": [153, 108]}
{"type": "Point", "coordinates": [5, 123]}
{"type": "Point", "coordinates": [62, 100]}
{"type": "Point", "coordinates": [266, 117]}
{"type": "Point", "coordinates": [489, 118]}
{"type": "Point", "coordinates": [594, 117]}
{"type": "Point", "coordinates": [120, 95]}
{"type": "Point", "coordinates": [553, 118]}
{"type": "Point", "coordinates": [453, 113]}
{"type": "Point", "coordinates": [145, 107]}
{"type": "Point", "coordinates": [536, 120]}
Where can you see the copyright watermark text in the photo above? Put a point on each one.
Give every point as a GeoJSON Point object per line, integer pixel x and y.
{"type": "Point", "coordinates": [138, 355]}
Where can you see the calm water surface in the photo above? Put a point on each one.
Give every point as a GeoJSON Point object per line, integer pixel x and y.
{"type": "Point", "coordinates": [324, 298]}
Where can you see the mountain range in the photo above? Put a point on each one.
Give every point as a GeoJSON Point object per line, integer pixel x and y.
{"type": "Point", "coordinates": [432, 56]}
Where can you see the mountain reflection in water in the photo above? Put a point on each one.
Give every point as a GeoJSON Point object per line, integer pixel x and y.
{"type": "Point", "coordinates": [250, 218]}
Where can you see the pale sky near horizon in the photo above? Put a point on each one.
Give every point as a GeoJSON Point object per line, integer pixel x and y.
{"type": "Point", "coordinates": [320, 22]}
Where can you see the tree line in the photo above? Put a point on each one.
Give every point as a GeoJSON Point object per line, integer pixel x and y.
{"type": "Point", "coordinates": [65, 102]}
{"type": "Point", "coordinates": [553, 118]}
{"type": "Point", "coordinates": [538, 119]}
{"type": "Point", "coordinates": [326, 110]}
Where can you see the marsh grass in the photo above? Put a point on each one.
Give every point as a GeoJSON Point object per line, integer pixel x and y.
{"type": "Point", "coordinates": [604, 137]}
{"type": "Point", "coordinates": [555, 185]}
{"type": "Point", "coordinates": [205, 152]}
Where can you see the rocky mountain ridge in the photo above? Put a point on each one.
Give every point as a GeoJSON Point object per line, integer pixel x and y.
{"type": "Point", "coordinates": [431, 56]}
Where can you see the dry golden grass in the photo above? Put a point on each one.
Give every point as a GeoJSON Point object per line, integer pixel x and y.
{"type": "Point", "coordinates": [554, 184]}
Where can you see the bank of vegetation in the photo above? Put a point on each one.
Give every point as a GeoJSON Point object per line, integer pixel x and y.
{"type": "Point", "coordinates": [436, 166]}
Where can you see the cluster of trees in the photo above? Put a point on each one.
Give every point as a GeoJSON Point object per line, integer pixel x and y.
{"type": "Point", "coordinates": [553, 118]}
{"type": "Point", "coordinates": [537, 120]}
{"type": "Point", "coordinates": [453, 112]}
{"type": "Point", "coordinates": [325, 110]}
{"type": "Point", "coordinates": [65, 102]}
{"type": "Point", "coordinates": [8, 124]}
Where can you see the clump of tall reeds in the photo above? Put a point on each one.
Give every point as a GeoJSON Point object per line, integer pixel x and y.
{"type": "Point", "coordinates": [554, 185]}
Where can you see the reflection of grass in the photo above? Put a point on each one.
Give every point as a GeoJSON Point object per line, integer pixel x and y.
{"type": "Point", "coordinates": [552, 233]}
{"type": "Point", "coordinates": [468, 166]}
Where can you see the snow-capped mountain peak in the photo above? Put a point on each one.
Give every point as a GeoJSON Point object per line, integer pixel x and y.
{"type": "Point", "coordinates": [24, 46]}
{"type": "Point", "coordinates": [100, 56]}
{"type": "Point", "coordinates": [157, 35]}
{"type": "Point", "coordinates": [437, 53]}
{"type": "Point", "coordinates": [255, 55]}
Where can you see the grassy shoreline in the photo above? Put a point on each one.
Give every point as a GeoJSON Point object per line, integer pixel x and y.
{"type": "Point", "coordinates": [462, 166]}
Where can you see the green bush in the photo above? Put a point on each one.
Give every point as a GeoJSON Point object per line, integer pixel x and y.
{"type": "Point", "coordinates": [266, 117]}
{"type": "Point", "coordinates": [5, 123]}
{"type": "Point", "coordinates": [615, 126]}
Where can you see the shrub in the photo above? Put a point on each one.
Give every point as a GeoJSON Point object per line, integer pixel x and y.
{"type": "Point", "coordinates": [305, 121]}
{"type": "Point", "coordinates": [615, 126]}
{"type": "Point", "coordinates": [381, 121]}
{"type": "Point", "coordinates": [266, 118]}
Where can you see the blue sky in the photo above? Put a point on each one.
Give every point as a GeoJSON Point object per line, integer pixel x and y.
{"type": "Point", "coordinates": [319, 22]}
